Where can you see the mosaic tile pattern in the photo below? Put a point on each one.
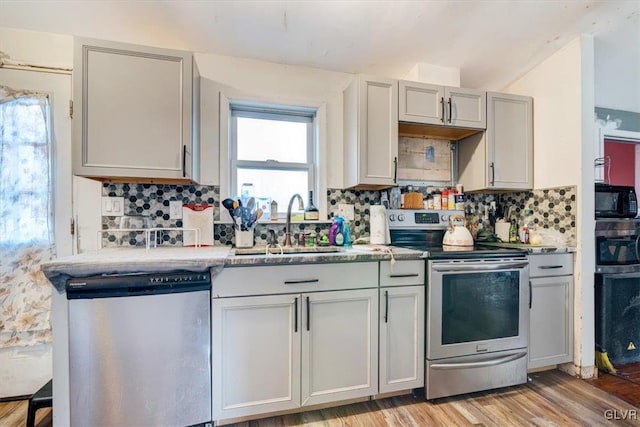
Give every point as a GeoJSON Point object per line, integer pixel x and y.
{"type": "Point", "coordinates": [152, 201]}
{"type": "Point", "coordinates": [551, 209]}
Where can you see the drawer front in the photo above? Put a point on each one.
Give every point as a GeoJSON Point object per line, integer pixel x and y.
{"type": "Point", "coordinates": [550, 265]}
{"type": "Point", "coordinates": [283, 279]}
{"type": "Point", "coordinates": [402, 273]}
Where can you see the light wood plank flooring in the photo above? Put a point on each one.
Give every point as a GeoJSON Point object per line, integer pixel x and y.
{"type": "Point", "coordinates": [551, 398]}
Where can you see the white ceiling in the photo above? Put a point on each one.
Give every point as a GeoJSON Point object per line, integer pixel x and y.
{"type": "Point", "coordinates": [490, 42]}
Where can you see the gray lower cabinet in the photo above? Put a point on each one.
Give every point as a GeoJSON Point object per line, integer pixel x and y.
{"type": "Point", "coordinates": [551, 314]}
{"type": "Point", "coordinates": [401, 338]}
{"type": "Point", "coordinates": [401, 321]}
{"type": "Point", "coordinates": [310, 342]}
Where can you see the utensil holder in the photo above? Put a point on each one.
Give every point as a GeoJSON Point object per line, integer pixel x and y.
{"type": "Point", "coordinates": [244, 239]}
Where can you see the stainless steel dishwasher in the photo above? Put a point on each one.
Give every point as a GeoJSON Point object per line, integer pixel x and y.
{"type": "Point", "coordinates": [140, 349]}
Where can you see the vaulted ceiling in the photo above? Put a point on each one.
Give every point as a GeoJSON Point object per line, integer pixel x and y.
{"type": "Point", "coordinates": [490, 42]}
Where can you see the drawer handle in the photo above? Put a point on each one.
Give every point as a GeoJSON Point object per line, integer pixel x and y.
{"type": "Point", "coordinates": [549, 267]}
{"type": "Point", "coordinates": [297, 282]}
{"type": "Point", "coordinates": [394, 276]}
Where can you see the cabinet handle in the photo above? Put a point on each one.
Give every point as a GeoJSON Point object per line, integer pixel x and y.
{"type": "Point", "coordinates": [493, 173]}
{"type": "Point", "coordinates": [297, 282]}
{"type": "Point", "coordinates": [404, 275]}
{"type": "Point", "coordinates": [308, 315]}
{"type": "Point", "coordinates": [530, 295]}
{"type": "Point", "coordinates": [549, 267]}
{"type": "Point", "coordinates": [442, 105]}
{"type": "Point", "coordinates": [295, 315]}
{"type": "Point", "coordinates": [184, 161]}
{"type": "Point", "coordinates": [395, 170]}
{"type": "Point", "coordinates": [386, 306]}
{"type": "Point", "coordinates": [450, 110]}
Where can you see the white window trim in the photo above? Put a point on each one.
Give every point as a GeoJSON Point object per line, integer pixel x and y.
{"type": "Point", "coordinates": [229, 97]}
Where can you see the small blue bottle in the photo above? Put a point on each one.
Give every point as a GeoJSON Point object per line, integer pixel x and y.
{"type": "Point", "coordinates": [346, 233]}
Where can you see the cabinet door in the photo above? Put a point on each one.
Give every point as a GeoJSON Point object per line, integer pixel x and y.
{"type": "Point", "coordinates": [256, 355]}
{"type": "Point", "coordinates": [133, 110]}
{"type": "Point", "coordinates": [421, 103]}
{"type": "Point", "coordinates": [339, 345]}
{"type": "Point", "coordinates": [466, 108]}
{"type": "Point", "coordinates": [378, 131]}
{"type": "Point", "coordinates": [551, 321]}
{"type": "Point", "coordinates": [401, 338]}
{"type": "Point", "coordinates": [509, 141]}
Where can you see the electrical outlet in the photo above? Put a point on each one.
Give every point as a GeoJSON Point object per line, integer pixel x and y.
{"type": "Point", "coordinates": [175, 209]}
{"type": "Point", "coordinates": [347, 211]}
{"type": "Point", "coordinates": [112, 206]}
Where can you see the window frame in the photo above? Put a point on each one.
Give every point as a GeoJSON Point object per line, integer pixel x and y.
{"type": "Point", "coordinates": [230, 98]}
{"type": "Point", "coordinates": [299, 115]}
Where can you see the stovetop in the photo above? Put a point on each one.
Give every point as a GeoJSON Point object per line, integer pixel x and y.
{"type": "Point", "coordinates": [423, 230]}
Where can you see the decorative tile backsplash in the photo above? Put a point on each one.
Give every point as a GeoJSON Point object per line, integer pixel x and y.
{"type": "Point", "coordinates": [552, 209]}
{"type": "Point", "coordinates": [152, 201]}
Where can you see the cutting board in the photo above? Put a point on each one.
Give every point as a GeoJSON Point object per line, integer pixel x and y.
{"type": "Point", "coordinates": [200, 217]}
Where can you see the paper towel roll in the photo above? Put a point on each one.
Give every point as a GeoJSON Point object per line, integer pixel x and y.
{"type": "Point", "coordinates": [378, 226]}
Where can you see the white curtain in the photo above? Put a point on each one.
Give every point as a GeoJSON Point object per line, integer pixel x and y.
{"type": "Point", "coordinates": [26, 217]}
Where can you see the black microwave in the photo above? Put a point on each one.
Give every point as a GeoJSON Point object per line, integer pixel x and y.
{"type": "Point", "coordinates": [616, 201]}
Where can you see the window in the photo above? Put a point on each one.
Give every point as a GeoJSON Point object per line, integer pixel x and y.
{"type": "Point", "coordinates": [273, 153]}
{"type": "Point", "coordinates": [25, 184]}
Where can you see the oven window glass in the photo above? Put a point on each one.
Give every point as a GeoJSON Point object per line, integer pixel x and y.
{"type": "Point", "coordinates": [617, 250]}
{"type": "Point", "coordinates": [480, 306]}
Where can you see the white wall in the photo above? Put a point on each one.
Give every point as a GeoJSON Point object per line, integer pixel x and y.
{"type": "Point", "coordinates": [617, 67]}
{"type": "Point", "coordinates": [287, 83]}
{"type": "Point", "coordinates": [53, 50]}
{"type": "Point", "coordinates": [562, 87]}
{"type": "Point", "coordinates": [434, 74]}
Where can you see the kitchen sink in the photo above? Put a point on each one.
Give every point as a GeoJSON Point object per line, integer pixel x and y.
{"type": "Point", "coordinates": [261, 250]}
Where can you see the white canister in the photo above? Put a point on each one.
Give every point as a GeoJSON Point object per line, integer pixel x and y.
{"type": "Point", "coordinates": [244, 239]}
{"type": "Point", "coordinates": [502, 230]}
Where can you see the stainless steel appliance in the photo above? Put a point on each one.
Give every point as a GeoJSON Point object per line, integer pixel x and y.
{"type": "Point", "coordinates": [477, 308]}
{"type": "Point", "coordinates": [617, 290]}
{"type": "Point", "coordinates": [615, 201]}
{"type": "Point", "coordinates": [140, 349]}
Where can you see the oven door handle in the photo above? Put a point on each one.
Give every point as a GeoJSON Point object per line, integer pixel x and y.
{"type": "Point", "coordinates": [483, 364]}
{"type": "Point", "coordinates": [637, 244]}
{"type": "Point", "coordinates": [479, 267]}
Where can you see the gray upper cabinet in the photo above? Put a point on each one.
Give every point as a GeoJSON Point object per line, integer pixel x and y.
{"type": "Point", "coordinates": [441, 105]}
{"type": "Point", "coordinates": [370, 132]}
{"type": "Point", "coordinates": [134, 111]}
{"type": "Point", "coordinates": [502, 157]}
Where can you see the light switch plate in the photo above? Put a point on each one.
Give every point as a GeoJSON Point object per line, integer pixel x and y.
{"type": "Point", "coordinates": [175, 209]}
{"type": "Point", "coordinates": [112, 206]}
{"type": "Point", "coordinates": [347, 211]}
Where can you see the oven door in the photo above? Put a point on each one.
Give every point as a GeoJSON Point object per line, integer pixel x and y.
{"type": "Point", "coordinates": [477, 306]}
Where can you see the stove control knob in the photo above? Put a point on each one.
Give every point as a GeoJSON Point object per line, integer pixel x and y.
{"type": "Point", "coordinates": [401, 217]}
{"type": "Point", "coordinates": [392, 217]}
{"type": "Point", "coordinates": [445, 218]}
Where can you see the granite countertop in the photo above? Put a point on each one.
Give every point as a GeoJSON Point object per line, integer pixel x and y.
{"type": "Point", "coordinates": [531, 249]}
{"type": "Point", "coordinates": [357, 253]}
{"type": "Point", "coordinates": [134, 260]}
{"type": "Point", "coordinates": [159, 260]}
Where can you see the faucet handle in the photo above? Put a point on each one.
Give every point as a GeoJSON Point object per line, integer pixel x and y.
{"type": "Point", "coordinates": [272, 240]}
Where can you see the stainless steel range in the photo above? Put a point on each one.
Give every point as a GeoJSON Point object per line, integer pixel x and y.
{"type": "Point", "coordinates": [477, 308]}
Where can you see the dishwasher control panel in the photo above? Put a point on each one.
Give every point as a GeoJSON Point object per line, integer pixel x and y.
{"type": "Point", "coordinates": [120, 285]}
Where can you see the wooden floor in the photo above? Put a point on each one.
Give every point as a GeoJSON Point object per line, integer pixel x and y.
{"type": "Point", "coordinates": [625, 383]}
{"type": "Point", "coordinates": [551, 398]}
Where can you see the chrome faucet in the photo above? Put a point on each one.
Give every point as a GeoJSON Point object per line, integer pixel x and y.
{"type": "Point", "coordinates": [287, 236]}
